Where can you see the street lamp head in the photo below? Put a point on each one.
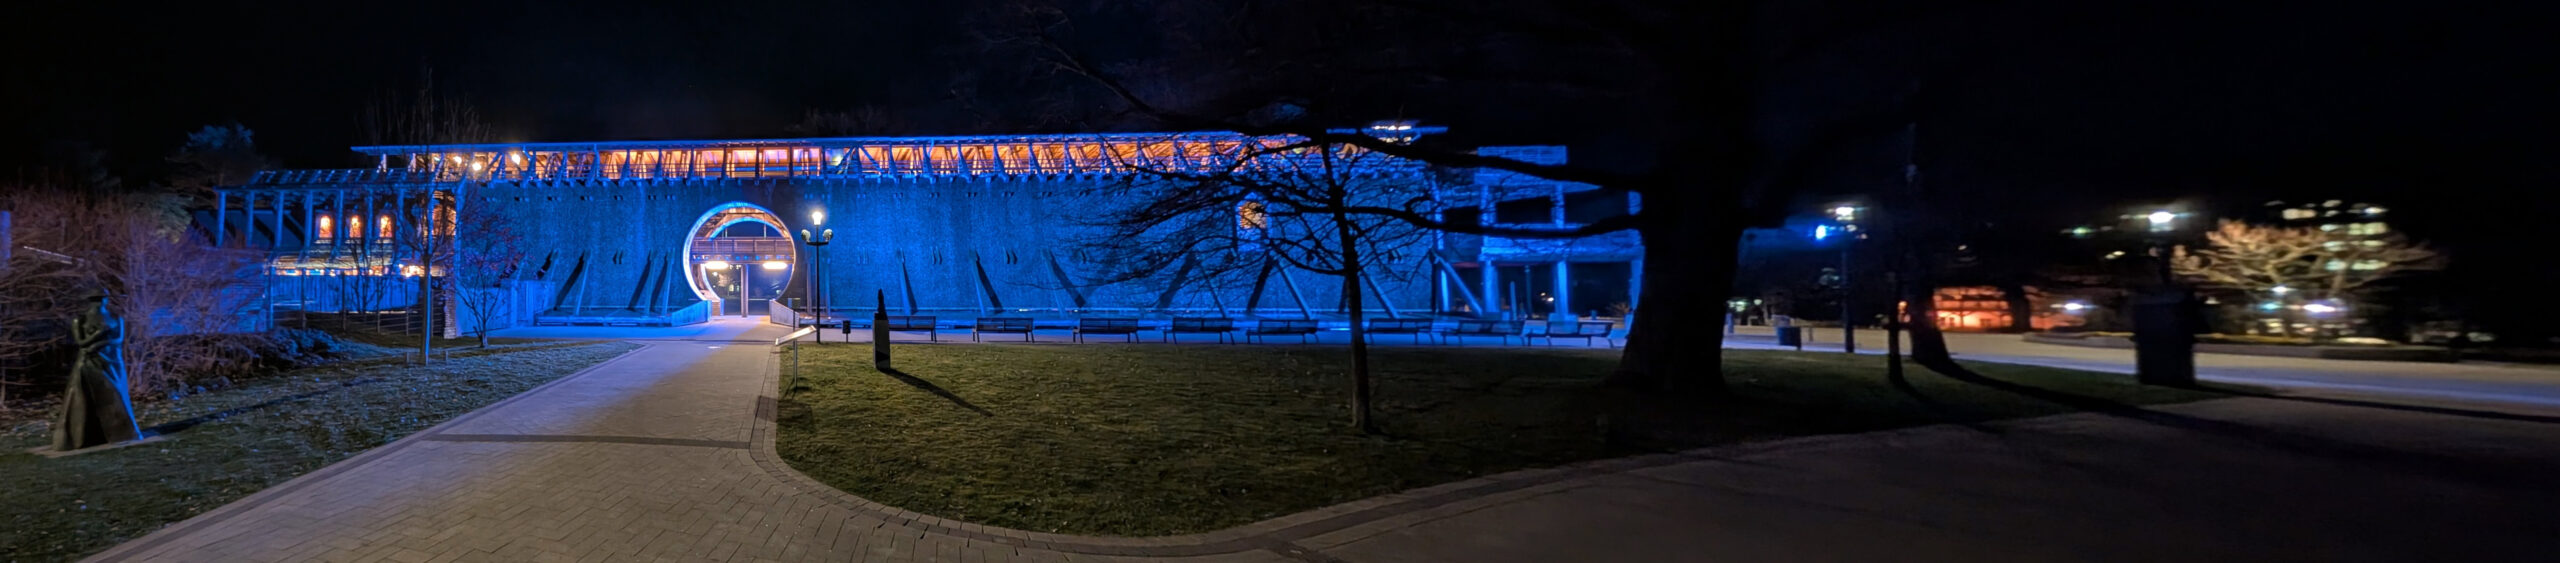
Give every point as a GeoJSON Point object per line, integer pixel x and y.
{"type": "Point", "coordinates": [817, 217]}
{"type": "Point", "coordinates": [827, 236]}
{"type": "Point", "coordinates": [1845, 213]}
{"type": "Point", "coordinates": [2161, 218]}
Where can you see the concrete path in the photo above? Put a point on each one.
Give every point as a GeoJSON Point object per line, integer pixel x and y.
{"type": "Point", "coordinates": [2468, 382]}
{"type": "Point", "coordinates": [2233, 480]}
{"type": "Point", "coordinates": [665, 454]}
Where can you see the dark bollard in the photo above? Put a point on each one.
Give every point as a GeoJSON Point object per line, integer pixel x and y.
{"type": "Point", "coordinates": [2164, 327]}
{"type": "Point", "coordinates": [880, 331]}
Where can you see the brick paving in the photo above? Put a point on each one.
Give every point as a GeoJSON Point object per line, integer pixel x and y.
{"type": "Point", "coordinates": [646, 457]}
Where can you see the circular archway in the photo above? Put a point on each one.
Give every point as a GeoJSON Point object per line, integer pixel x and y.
{"type": "Point", "coordinates": [739, 253]}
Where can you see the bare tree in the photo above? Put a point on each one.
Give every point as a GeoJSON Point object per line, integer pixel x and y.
{"type": "Point", "coordinates": [487, 251]}
{"type": "Point", "coordinates": [429, 116]}
{"type": "Point", "coordinates": [1227, 220]}
{"type": "Point", "coordinates": [865, 119]}
{"type": "Point", "coordinates": [425, 117]}
{"type": "Point", "coordinates": [2252, 258]}
{"type": "Point", "coordinates": [2327, 263]}
{"type": "Point", "coordinates": [1690, 85]}
{"type": "Point", "coordinates": [427, 248]}
{"type": "Point", "coordinates": [178, 297]}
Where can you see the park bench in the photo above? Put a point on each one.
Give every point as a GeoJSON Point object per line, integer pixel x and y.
{"type": "Point", "coordinates": [1585, 330]}
{"type": "Point", "coordinates": [1001, 325]}
{"type": "Point", "coordinates": [1416, 327]}
{"type": "Point", "coordinates": [912, 323]}
{"type": "Point", "coordinates": [1303, 328]}
{"type": "Point", "coordinates": [1199, 325]}
{"type": "Point", "coordinates": [1125, 326]}
{"type": "Point", "coordinates": [1466, 327]}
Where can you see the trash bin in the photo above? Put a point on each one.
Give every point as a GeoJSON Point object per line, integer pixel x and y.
{"type": "Point", "coordinates": [1791, 336]}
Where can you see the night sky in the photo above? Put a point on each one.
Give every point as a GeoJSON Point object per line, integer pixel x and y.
{"type": "Point", "coordinates": [2446, 111]}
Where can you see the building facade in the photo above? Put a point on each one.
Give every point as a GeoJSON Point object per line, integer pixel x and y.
{"type": "Point", "coordinates": [668, 232]}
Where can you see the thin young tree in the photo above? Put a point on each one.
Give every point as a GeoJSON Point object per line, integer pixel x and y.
{"type": "Point", "coordinates": [428, 116]}
{"type": "Point", "coordinates": [488, 249]}
{"type": "Point", "coordinates": [426, 248]}
{"type": "Point", "coordinates": [1223, 220]}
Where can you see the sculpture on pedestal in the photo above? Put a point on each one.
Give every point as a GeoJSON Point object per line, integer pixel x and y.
{"type": "Point", "coordinates": [97, 409]}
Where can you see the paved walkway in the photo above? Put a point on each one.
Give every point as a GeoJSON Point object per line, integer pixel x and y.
{"type": "Point", "coordinates": [2475, 382]}
{"type": "Point", "coordinates": [665, 454]}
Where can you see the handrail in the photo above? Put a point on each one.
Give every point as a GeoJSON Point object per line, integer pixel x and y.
{"type": "Point", "coordinates": [793, 341]}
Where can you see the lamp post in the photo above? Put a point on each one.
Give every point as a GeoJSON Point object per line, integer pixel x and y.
{"type": "Point", "coordinates": [1847, 230]}
{"type": "Point", "coordinates": [817, 268]}
{"type": "Point", "coordinates": [2163, 321]}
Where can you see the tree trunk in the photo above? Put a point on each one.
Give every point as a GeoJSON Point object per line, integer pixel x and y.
{"type": "Point", "coordinates": [1928, 344]}
{"type": "Point", "coordinates": [1352, 300]}
{"type": "Point", "coordinates": [1674, 342]}
{"type": "Point", "coordinates": [427, 314]}
{"type": "Point", "coordinates": [2022, 311]}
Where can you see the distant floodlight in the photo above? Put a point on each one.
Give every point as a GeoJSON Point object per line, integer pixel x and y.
{"type": "Point", "coordinates": [2319, 308]}
{"type": "Point", "coordinates": [2075, 307]}
{"type": "Point", "coordinates": [775, 265]}
{"type": "Point", "coordinates": [2162, 217]}
{"type": "Point", "coordinates": [1821, 232]}
{"type": "Point", "coordinates": [716, 265]}
{"type": "Point", "coordinates": [2280, 290]}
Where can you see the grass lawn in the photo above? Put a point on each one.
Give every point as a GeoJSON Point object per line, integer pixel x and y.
{"type": "Point", "coordinates": [1141, 440]}
{"type": "Point", "coordinates": [247, 438]}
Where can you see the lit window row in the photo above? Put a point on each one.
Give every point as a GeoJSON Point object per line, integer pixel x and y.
{"type": "Point", "coordinates": [925, 158]}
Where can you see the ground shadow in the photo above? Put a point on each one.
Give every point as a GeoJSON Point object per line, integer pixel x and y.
{"type": "Point", "coordinates": [936, 390]}
{"type": "Point", "coordinates": [2448, 411]}
{"type": "Point", "coordinates": [2421, 462]}
{"type": "Point", "coordinates": [176, 426]}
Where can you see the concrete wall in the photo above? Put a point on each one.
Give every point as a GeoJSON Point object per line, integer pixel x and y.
{"type": "Point", "coordinates": [935, 229]}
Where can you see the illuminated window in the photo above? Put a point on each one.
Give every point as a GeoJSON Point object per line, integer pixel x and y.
{"type": "Point", "coordinates": [2294, 214]}
{"type": "Point", "coordinates": [355, 226]}
{"type": "Point", "coordinates": [905, 159]}
{"type": "Point", "coordinates": [1053, 157]}
{"type": "Point", "coordinates": [1250, 216]}
{"type": "Point", "coordinates": [382, 227]}
{"type": "Point", "coordinates": [945, 159]}
{"type": "Point", "coordinates": [324, 229]}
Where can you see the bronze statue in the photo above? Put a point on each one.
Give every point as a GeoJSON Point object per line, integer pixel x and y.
{"type": "Point", "coordinates": [96, 410]}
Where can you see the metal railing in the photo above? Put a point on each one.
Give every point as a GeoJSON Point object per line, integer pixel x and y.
{"type": "Point", "coordinates": [789, 347]}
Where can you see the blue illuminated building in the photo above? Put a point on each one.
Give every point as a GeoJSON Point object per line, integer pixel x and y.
{"type": "Point", "coordinates": [671, 232]}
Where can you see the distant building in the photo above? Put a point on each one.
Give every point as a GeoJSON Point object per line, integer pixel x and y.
{"type": "Point", "coordinates": [1986, 308]}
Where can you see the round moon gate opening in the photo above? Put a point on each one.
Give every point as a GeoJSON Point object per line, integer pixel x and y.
{"type": "Point", "coordinates": [739, 256]}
